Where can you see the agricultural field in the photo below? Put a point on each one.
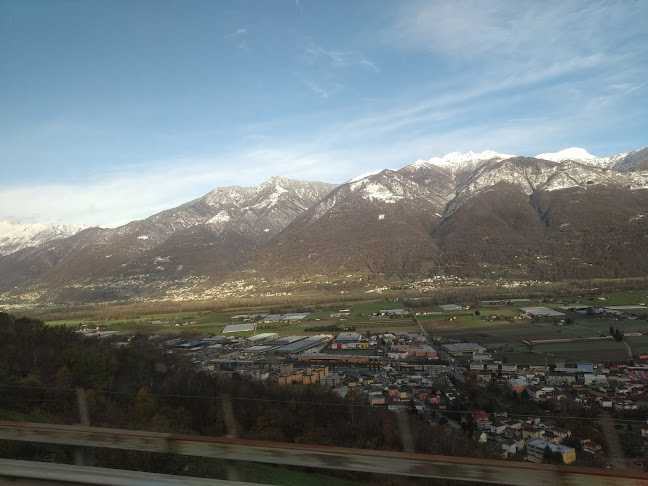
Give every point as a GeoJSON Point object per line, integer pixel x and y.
{"type": "Point", "coordinates": [619, 297]}
{"type": "Point", "coordinates": [497, 326]}
{"type": "Point", "coordinates": [512, 349]}
{"type": "Point", "coordinates": [213, 322]}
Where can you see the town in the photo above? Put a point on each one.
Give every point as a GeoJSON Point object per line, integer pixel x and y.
{"type": "Point", "coordinates": [535, 392]}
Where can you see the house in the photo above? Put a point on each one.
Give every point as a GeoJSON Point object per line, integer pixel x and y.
{"type": "Point", "coordinates": [376, 398]}
{"type": "Point", "coordinates": [480, 436]}
{"type": "Point", "coordinates": [511, 446]}
{"type": "Point", "coordinates": [535, 392]}
{"type": "Point", "coordinates": [517, 385]}
{"type": "Point", "coordinates": [497, 428]}
{"type": "Point", "coordinates": [591, 447]}
{"type": "Point", "coordinates": [484, 425]}
{"type": "Point", "coordinates": [605, 403]}
{"type": "Point", "coordinates": [562, 433]}
{"type": "Point", "coordinates": [509, 368]}
{"type": "Point", "coordinates": [531, 432]}
{"type": "Point", "coordinates": [536, 449]}
{"type": "Point", "coordinates": [592, 379]}
{"type": "Point", "coordinates": [625, 405]}
{"type": "Point", "coordinates": [477, 417]}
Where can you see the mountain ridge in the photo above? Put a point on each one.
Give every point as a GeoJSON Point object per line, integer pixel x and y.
{"type": "Point", "coordinates": [465, 214]}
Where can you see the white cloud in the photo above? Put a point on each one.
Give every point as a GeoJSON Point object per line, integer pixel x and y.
{"type": "Point", "coordinates": [240, 32]}
{"type": "Point", "coordinates": [338, 59]}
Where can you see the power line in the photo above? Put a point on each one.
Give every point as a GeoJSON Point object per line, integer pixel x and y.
{"type": "Point", "coordinates": [301, 402]}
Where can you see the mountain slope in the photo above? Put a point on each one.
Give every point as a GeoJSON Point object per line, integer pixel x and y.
{"type": "Point", "coordinates": [488, 214]}
{"type": "Point", "coordinates": [378, 224]}
{"type": "Point", "coordinates": [207, 237]}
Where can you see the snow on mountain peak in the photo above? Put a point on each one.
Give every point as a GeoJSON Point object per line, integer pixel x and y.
{"type": "Point", "coordinates": [457, 158]}
{"type": "Point", "coordinates": [15, 236]}
{"type": "Point", "coordinates": [365, 175]}
{"type": "Point", "coordinates": [572, 153]}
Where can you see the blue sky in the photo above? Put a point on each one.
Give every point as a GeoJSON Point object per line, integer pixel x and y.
{"type": "Point", "coordinates": [112, 111]}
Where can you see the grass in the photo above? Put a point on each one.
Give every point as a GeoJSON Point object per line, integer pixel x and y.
{"type": "Point", "coordinates": [323, 314]}
{"type": "Point", "coordinates": [620, 297]}
{"type": "Point", "coordinates": [374, 306]}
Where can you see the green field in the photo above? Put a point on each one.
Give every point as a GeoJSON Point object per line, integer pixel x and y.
{"type": "Point", "coordinates": [509, 340]}
{"type": "Point", "coordinates": [373, 306]}
{"type": "Point", "coordinates": [214, 322]}
{"type": "Point", "coordinates": [619, 297]}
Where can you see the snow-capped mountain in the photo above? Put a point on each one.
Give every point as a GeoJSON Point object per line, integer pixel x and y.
{"type": "Point", "coordinates": [624, 162]}
{"type": "Point", "coordinates": [573, 153]}
{"type": "Point", "coordinates": [208, 236]}
{"type": "Point", "coordinates": [557, 215]}
{"type": "Point", "coordinates": [16, 236]}
{"type": "Point", "coordinates": [457, 162]}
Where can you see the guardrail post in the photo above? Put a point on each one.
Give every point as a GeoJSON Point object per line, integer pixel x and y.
{"type": "Point", "coordinates": [232, 467]}
{"type": "Point", "coordinates": [82, 456]}
{"type": "Point", "coordinates": [404, 431]}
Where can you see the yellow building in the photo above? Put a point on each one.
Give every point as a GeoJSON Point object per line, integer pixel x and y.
{"type": "Point", "coordinates": [536, 449]}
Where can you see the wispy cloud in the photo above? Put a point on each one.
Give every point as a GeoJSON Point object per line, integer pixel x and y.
{"type": "Point", "coordinates": [240, 37]}
{"type": "Point", "coordinates": [322, 92]}
{"type": "Point", "coordinates": [240, 32]}
{"type": "Point", "coordinates": [337, 58]}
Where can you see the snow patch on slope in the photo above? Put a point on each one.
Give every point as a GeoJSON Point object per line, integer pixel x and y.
{"type": "Point", "coordinates": [221, 217]}
{"type": "Point", "coordinates": [378, 192]}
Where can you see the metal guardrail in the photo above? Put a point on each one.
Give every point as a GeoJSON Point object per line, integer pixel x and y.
{"type": "Point", "coordinates": [14, 472]}
{"type": "Point", "coordinates": [359, 460]}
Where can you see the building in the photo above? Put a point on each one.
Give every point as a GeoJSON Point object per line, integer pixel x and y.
{"type": "Point", "coordinates": [237, 328]}
{"type": "Point", "coordinates": [261, 338]}
{"type": "Point", "coordinates": [541, 312]}
{"type": "Point", "coordinates": [414, 350]}
{"type": "Point", "coordinates": [348, 340]}
{"type": "Point", "coordinates": [332, 380]}
{"type": "Point", "coordinates": [463, 349]}
{"type": "Point", "coordinates": [517, 385]}
{"type": "Point", "coordinates": [536, 449]}
{"type": "Point", "coordinates": [303, 344]}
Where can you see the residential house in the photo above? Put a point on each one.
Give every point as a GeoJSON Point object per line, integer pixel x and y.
{"type": "Point", "coordinates": [497, 428]}
{"type": "Point", "coordinates": [591, 447]}
{"type": "Point", "coordinates": [531, 432]}
{"type": "Point", "coordinates": [511, 446]}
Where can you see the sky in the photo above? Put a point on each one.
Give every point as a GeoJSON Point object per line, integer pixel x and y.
{"type": "Point", "coordinates": [113, 111]}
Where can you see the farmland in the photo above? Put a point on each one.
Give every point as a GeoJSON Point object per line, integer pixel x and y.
{"type": "Point", "coordinates": [498, 325]}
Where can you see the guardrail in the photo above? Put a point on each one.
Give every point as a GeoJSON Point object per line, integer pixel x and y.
{"type": "Point", "coordinates": [359, 460]}
{"type": "Point", "coordinates": [15, 473]}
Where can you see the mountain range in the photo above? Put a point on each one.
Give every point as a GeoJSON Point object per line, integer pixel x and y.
{"type": "Point", "coordinates": [554, 216]}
